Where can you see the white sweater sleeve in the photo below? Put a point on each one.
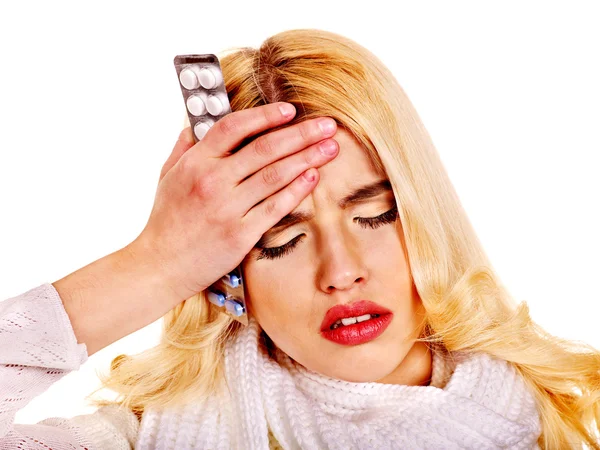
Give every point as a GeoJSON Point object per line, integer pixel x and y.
{"type": "Point", "coordinates": [37, 348]}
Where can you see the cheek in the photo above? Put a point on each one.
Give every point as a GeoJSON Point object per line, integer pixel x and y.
{"type": "Point", "coordinates": [384, 259]}
{"type": "Point", "coordinates": [281, 300]}
{"type": "Point", "coordinates": [390, 279]}
{"type": "Point", "coordinates": [279, 295]}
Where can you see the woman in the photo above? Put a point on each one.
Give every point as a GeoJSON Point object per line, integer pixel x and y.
{"type": "Point", "coordinates": [376, 319]}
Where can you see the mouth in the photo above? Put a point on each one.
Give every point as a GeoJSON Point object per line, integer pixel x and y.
{"type": "Point", "coordinates": [356, 323]}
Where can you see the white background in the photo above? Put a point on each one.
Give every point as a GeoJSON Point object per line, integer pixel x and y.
{"type": "Point", "coordinates": [90, 109]}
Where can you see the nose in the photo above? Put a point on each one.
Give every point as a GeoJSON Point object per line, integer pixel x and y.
{"type": "Point", "coordinates": [341, 263]}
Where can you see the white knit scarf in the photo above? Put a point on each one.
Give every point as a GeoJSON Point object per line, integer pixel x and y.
{"type": "Point", "coordinates": [474, 401]}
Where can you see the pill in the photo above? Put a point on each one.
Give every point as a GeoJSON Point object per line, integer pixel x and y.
{"type": "Point", "coordinates": [217, 104]}
{"type": "Point", "coordinates": [235, 308]}
{"type": "Point", "coordinates": [231, 280]}
{"type": "Point", "coordinates": [189, 79]}
{"type": "Point", "coordinates": [195, 105]}
{"type": "Point", "coordinates": [210, 77]}
{"type": "Point", "coordinates": [216, 298]}
{"type": "Point", "coordinates": [201, 128]}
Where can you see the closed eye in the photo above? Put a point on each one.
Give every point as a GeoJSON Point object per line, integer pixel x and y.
{"type": "Point", "coordinates": [366, 222]}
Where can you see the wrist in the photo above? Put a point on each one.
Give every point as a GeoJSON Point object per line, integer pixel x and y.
{"type": "Point", "coordinates": [114, 296]}
{"type": "Point", "coordinates": [159, 268]}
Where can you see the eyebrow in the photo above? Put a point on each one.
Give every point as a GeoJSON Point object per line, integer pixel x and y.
{"type": "Point", "coordinates": [360, 195]}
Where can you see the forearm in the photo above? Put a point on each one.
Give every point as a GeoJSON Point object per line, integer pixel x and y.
{"type": "Point", "coordinates": [115, 296]}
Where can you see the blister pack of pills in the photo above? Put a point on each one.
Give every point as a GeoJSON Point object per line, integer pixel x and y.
{"type": "Point", "coordinates": [205, 96]}
{"type": "Point", "coordinates": [203, 90]}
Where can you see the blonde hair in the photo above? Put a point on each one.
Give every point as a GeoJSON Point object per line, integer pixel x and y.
{"type": "Point", "coordinates": [466, 306]}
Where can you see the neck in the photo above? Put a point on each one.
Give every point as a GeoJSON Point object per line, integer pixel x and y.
{"type": "Point", "coordinates": [415, 369]}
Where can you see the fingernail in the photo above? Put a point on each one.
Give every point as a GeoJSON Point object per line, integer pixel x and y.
{"type": "Point", "coordinates": [327, 125]}
{"type": "Point", "coordinates": [328, 147]}
{"type": "Point", "coordinates": [310, 175]}
{"type": "Point", "coordinates": [287, 110]}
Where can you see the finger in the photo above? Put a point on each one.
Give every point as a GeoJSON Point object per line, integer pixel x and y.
{"type": "Point", "coordinates": [268, 213]}
{"type": "Point", "coordinates": [229, 131]}
{"type": "Point", "coordinates": [279, 174]}
{"type": "Point", "coordinates": [183, 144]}
{"type": "Point", "coordinates": [277, 145]}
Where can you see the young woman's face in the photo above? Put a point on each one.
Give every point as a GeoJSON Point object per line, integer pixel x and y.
{"type": "Point", "coordinates": [341, 264]}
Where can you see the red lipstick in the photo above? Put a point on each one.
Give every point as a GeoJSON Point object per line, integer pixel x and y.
{"type": "Point", "coordinates": [358, 328]}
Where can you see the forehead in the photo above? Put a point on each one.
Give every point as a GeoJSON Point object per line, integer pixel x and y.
{"type": "Point", "coordinates": [349, 179]}
{"type": "Point", "coordinates": [350, 167]}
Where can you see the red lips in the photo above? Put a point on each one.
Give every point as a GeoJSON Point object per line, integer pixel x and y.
{"type": "Point", "coordinates": [354, 309]}
{"type": "Point", "coordinates": [359, 332]}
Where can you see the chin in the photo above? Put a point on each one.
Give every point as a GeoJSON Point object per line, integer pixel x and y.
{"type": "Point", "coordinates": [360, 370]}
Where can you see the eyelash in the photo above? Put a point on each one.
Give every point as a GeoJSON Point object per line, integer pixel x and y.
{"type": "Point", "coordinates": [366, 222]}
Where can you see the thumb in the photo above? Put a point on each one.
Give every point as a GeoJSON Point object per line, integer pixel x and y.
{"type": "Point", "coordinates": [183, 144]}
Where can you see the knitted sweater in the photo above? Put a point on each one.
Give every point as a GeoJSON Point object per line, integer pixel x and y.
{"type": "Point", "coordinates": [38, 347]}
